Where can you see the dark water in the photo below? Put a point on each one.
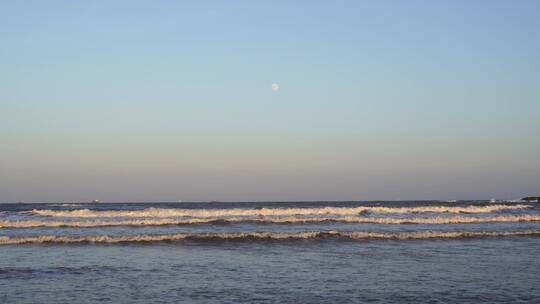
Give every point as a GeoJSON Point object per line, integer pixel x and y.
{"type": "Point", "coordinates": [323, 252]}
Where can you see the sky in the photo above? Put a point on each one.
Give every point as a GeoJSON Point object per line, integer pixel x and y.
{"type": "Point", "coordinates": [174, 100]}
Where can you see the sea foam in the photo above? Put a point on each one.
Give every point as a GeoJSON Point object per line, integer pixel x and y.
{"type": "Point", "coordinates": [213, 213]}
{"type": "Point", "coordinates": [438, 220]}
{"type": "Point", "coordinates": [260, 236]}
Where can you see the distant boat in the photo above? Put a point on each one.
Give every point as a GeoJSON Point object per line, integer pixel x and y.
{"type": "Point", "coordinates": [531, 199]}
{"type": "Point", "coordinates": [492, 200]}
{"type": "Point", "coordinates": [95, 201]}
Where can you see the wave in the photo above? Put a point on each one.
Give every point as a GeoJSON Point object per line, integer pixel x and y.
{"type": "Point", "coordinates": [212, 213]}
{"type": "Point", "coordinates": [261, 236]}
{"type": "Point", "coordinates": [283, 220]}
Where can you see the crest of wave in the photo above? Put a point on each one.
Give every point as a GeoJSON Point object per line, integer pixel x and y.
{"type": "Point", "coordinates": [261, 236]}
{"type": "Point", "coordinates": [209, 213]}
{"type": "Point", "coordinates": [283, 220]}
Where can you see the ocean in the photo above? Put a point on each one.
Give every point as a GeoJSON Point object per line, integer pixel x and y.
{"type": "Point", "coordinates": [270, 252]}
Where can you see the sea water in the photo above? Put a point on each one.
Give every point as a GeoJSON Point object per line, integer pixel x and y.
{"type": "Point", "coordinates": [274, 252]}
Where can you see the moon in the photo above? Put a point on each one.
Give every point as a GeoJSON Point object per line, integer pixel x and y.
{"type": "Point", "coordinates": [275, 87]}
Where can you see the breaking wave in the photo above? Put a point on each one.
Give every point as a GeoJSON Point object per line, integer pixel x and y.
{"type": "Point", "coordinates": [259, 236]}
{"type": "Point", "coordinates": [213, 213]}
{"type": "Point", "coordinates": [284, 220]}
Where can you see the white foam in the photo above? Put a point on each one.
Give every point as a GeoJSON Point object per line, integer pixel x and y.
{"type": "Point", "coordinates": [279, 220]}
{"type": "Point", "coordinates": [259, 236]}
{"type": "Point", "coordinates": [213, 213]}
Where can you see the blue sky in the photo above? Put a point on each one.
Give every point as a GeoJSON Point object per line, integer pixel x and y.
{"type": "Point", "coordinates": [168, 100]}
